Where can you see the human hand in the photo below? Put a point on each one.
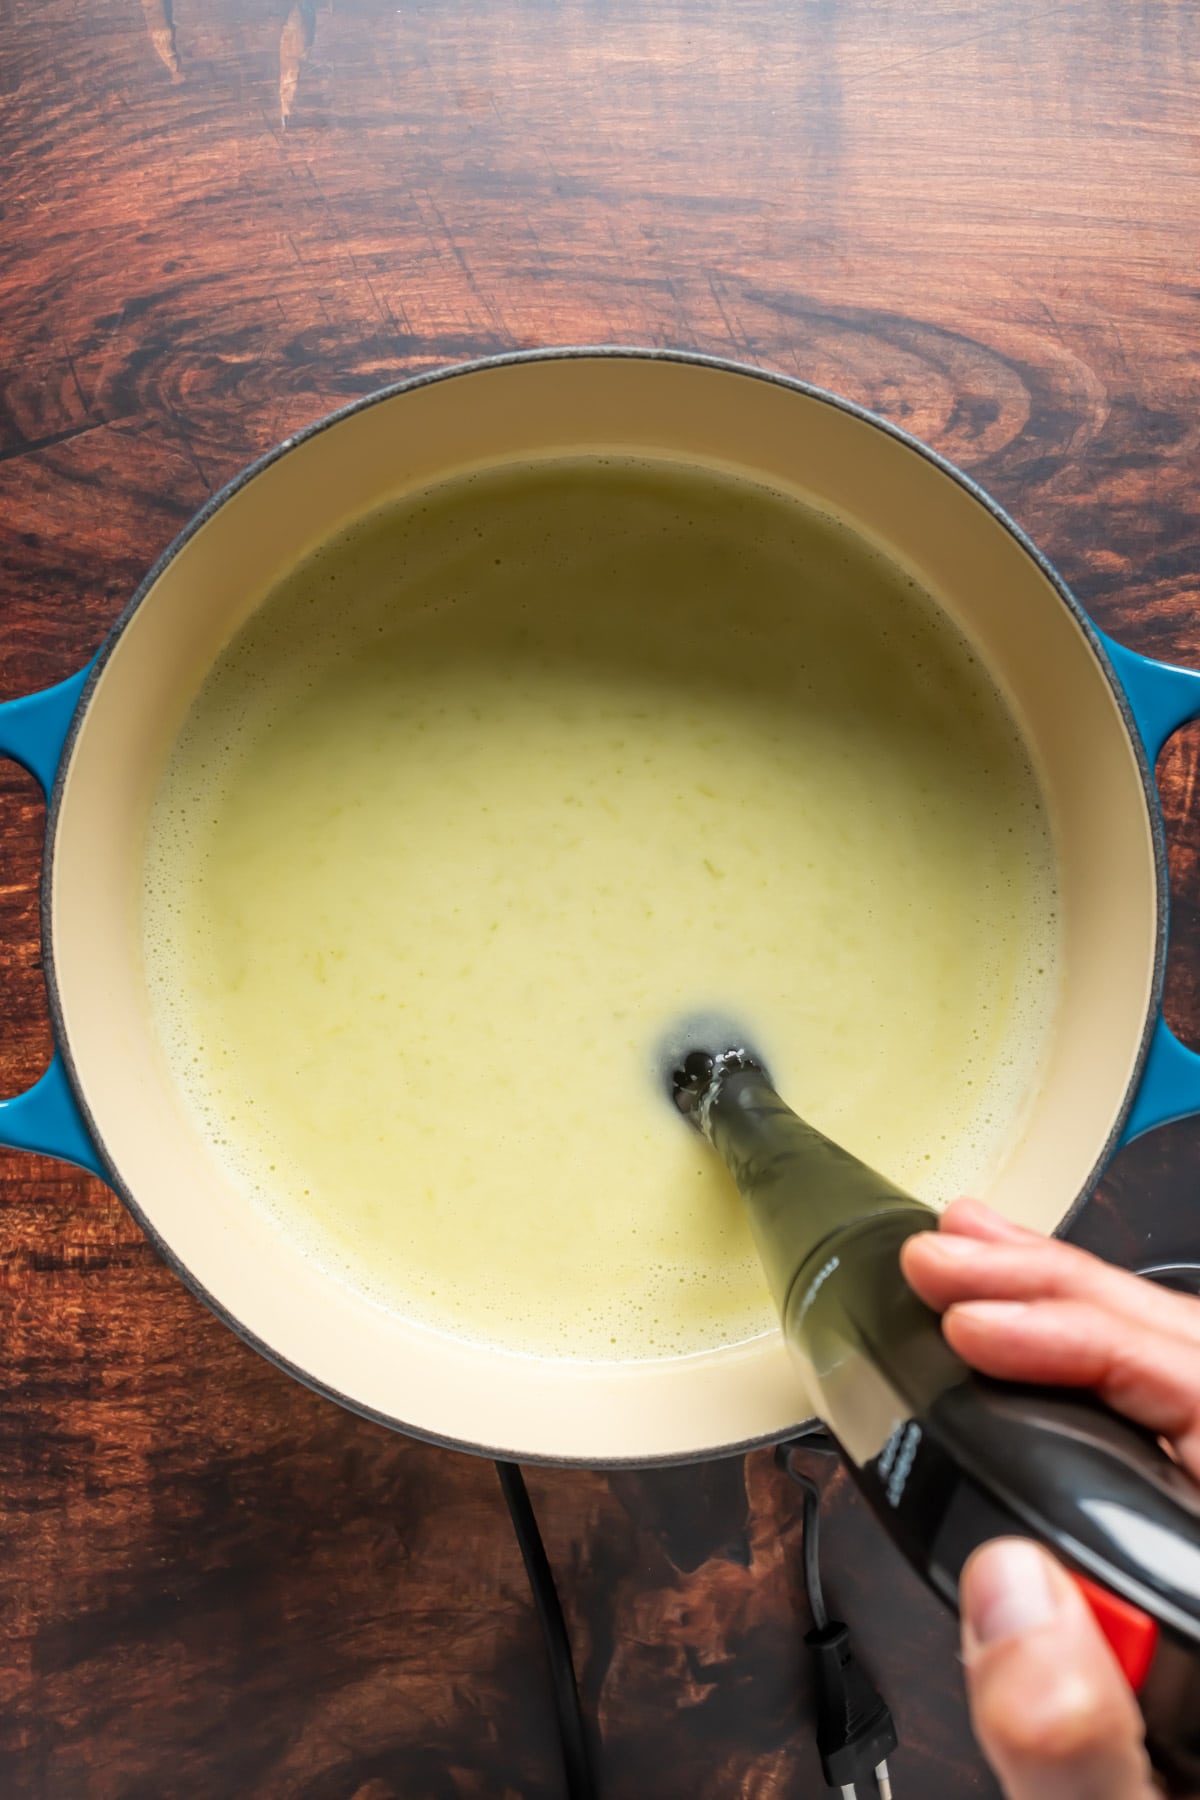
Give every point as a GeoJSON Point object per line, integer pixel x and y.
{"type": "Point", "coordinates": [1049, 1704]}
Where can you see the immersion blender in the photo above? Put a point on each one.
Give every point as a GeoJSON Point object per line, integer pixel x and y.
{"type": "Point", "coordinates": [946, 1457]}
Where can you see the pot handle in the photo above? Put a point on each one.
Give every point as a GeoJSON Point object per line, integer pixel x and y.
{"type": "Point", "coordinates": [46, 1118]}
{"type": "Point", "coordinates": [1161, 698]}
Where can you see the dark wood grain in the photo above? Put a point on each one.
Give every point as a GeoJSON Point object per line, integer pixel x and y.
{"type": "Point", "coordinates": [223, 217]}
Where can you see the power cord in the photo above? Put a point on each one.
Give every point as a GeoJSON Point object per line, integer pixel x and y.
{"type": "Point", "coordinates": [855, 1730]}
{"type": "Point", "coordinates": [567, 1708]}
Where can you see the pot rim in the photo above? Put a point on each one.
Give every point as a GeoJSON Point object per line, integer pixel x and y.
{"type": "Point", "coordinates": [479, 365]}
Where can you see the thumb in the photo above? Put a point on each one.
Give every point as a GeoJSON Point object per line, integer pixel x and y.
{"type": "Point", "coordinates": [1053, 1713]}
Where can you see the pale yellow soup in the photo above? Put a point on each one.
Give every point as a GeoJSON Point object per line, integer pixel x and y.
{"type": "Point", "coordinates": [498, 791]}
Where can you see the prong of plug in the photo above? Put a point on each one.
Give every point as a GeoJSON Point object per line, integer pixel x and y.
{"type": "Point", "coordinates": [884, 1780]}
{"type": "Point", "coordinates": [848, 1791]}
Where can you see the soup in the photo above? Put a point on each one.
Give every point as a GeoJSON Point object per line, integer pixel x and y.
{"type": "Point", "coordinates": [500, 789]}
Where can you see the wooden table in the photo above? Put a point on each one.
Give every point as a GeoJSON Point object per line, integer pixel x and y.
{"type": "Point", "coordinates": [222, 218]}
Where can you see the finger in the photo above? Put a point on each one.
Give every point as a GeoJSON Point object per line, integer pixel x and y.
{"type": "Point", "coordinates": [1052, 1711]}
{"type": "Point", "coordinates": [944, 1268]}
{"type": "Point", "coordinates": [971, 1218]}
{"type": "Point", "coordinates": [1134, 1369]}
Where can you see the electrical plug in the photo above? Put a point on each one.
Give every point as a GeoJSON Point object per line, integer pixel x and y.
{"type": "Point", "coordinates": [855, 1731]}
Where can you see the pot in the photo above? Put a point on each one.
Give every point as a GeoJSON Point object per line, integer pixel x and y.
{"type": "Point", "coordinates": [1095, 715]}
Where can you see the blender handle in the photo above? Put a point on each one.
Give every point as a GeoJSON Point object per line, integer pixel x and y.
{"type": "Point", "coordinates": [46, 1117]}
{"type": "Point", "coordinates": [1161, 698]}
{"type": "Point", "coordinates": [968, 1457]}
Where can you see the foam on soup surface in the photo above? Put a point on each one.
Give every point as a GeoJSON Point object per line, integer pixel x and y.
{"type": "Point", "coordinates": [510, 778]}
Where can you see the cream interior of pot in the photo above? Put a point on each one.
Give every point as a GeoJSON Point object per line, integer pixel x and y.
{"type": "Point", "coordinates": [537, 1405]}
